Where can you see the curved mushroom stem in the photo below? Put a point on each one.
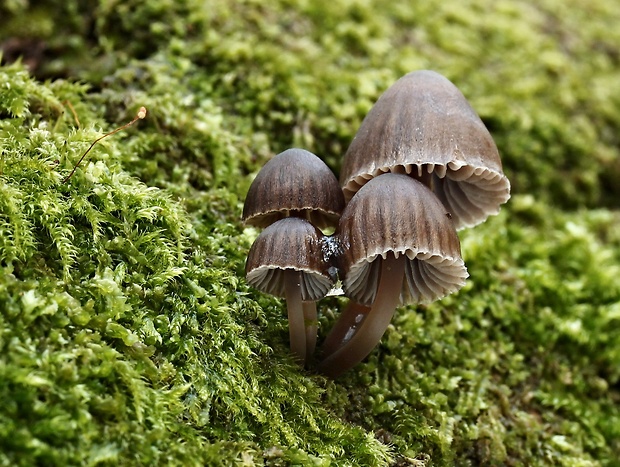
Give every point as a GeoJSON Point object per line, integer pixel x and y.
{"type": "Point", "coordinates": [345, 327]}
{"type": "Point", "coordinates": [294, 305]}
{"type": "Point", "coordinates": [311, 325]}
{"type": "Point", "coordinates": [374, 325]}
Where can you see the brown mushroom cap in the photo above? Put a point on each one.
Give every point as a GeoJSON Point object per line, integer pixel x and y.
{"type": "Point", "coordinates": [294, 183]}
{"type": "Point", "coordinates": [424, 127]}
{"type": "Point", "coordinates": [396, 213]}
{"type": "Point", "coordinates": [289, 244]}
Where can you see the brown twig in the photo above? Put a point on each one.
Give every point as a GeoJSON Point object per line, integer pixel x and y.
{"type": "Point", "coordinates": [139, 116]}
{"type": "Point", "coordinates": [72, 109]}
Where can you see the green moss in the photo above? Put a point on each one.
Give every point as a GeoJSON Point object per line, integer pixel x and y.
{"type": "Point", "coordinates": [521, 366]}
{"type": "Point", "coordinates": [127, 333]}
{"type": "Point", "coordinates": [125, 327]}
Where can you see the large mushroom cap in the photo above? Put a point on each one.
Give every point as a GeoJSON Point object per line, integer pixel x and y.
{"type": "Point", "coordinates": [423, 126]}
{"type": "Point", "coordinates": [397, 214]}
{"type": "Point", "coordinates": [289, 244]}
{"type": "Point", "coordinates": [294, 183]}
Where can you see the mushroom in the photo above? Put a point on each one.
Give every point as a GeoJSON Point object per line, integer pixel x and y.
{"type": "Point", "coordinates": [424, 127]}
{"type": "Point", "coordinates": [294, 183]}
{"type": "Point", "coordinates": [399, 246]}
{"type": "Point", "coordinates": [287, 260]}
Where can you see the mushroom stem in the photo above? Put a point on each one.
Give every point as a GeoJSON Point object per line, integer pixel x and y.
{"type": "Point", "coordinates": [374, 325]}
{"type": "Point", "coordinates": [296, 325]}
{"type": "Point", "coordinates": [311, 325]}
{"type": "Point", "coordinates": [345, 327]}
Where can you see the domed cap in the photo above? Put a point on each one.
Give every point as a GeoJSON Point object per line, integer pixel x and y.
{"type": "Point", "coordinates": [396, 213]}
{"type": "Point", "coordinates": [289, 244]}
{"type": "Point", "coordinates": [294, 183]}
{"type": "Point", "coordinates": [423, 126]}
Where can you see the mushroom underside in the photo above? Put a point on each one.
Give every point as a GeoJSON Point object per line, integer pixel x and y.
{"type": "Point", "coordinates": [428, 277]}
{"type": "Point", "coordinates": [469, 193]}
{"type": "Point", "coordinates": [313, 286]}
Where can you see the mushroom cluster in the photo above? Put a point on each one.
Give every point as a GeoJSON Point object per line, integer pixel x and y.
{"type": "Point", "coordinates": [421, 166]}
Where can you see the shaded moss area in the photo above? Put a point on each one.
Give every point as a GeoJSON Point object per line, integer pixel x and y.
{"type": "Point", "coordinates": [127, 333]}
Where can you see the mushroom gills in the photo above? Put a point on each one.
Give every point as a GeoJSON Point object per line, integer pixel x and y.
{"type": "Point", "coordinates": [428, 277]}
{"type": "Point", "coordinates": [270, 280]}
{"type": "Point", "coordinates": [363, 280]}
{"type": "Point", "coordinates": [431, 278]}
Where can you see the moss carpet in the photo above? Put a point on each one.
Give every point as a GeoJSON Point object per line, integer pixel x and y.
{"type": "Point", "coordinates": [128, 335]}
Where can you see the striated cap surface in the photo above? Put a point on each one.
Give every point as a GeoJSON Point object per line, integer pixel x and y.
{"type": "Point", "coordinates": [396, 213]}
{"type": "Point", "coordinates": [294, 183]}
{"type": "Point", "coordinates": [290, 243]}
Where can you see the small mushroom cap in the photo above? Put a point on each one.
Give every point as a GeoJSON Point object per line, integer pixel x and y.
{"type": "Point", "coordinates": [396, 213]}
{"type": "Point", "coordinates": [423, 126]}
{"type": "Point", "coordinates": [290, 243]}
{"type": "Point", "coordinates": [294, 183]}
